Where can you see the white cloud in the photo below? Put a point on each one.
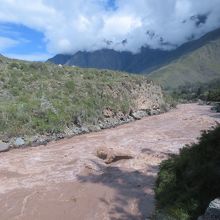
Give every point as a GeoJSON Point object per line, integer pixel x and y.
{"type": "Point", "coordinates": [7, 43]}
{"type": "Point", "coordinates": [70, 25]}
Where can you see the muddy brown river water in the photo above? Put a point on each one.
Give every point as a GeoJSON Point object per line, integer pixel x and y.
{"type": "Point", "coordinates": [66, 181]}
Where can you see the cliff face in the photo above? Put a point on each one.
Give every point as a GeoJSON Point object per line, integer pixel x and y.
{"type": "Point", "coordinates": [144, 99]}
{"type": "Point", "coordinates": [148, 96]}
{"type": "Point", "coordinates": [143, 95]}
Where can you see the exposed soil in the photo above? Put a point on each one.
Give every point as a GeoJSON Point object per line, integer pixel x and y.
{"type": "Point", "coordinates": [66, 180]}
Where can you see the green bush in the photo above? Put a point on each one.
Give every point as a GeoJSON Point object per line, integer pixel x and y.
{"type": "Point", "coordinates": [189, 181]}
{"type": "Point", "coordinates": [192, 92]}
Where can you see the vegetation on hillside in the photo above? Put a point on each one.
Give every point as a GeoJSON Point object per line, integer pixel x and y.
{"type": "Point", "coordinates": [189, 181]}
{"type": "Point", "coordinates": [45, 98]}
{"type": "Point", "coordinates": [199, 66]}
{"type": "Point", "coordinates": [193, 92]}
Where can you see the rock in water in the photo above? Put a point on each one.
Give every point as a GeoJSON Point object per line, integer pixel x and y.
{"type": "Point", "coordinates": [213, 211]}
{"type": "Point", "coordinates": [4, 147]}
{"type": "Point", "coordinates": [112, 155]}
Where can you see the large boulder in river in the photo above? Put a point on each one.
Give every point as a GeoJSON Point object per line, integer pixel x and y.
{"type": "Point", "coordinates": [110, 155]}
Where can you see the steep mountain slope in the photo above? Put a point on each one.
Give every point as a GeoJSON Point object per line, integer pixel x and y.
{"type": "Point", "coordinates": [145, 61]}
{"type": "Point", "coordinates": [113, 60]}
{"type": "Point", "coordinates": [46, 99]}
{"type": "Point", "coordinates": [101, 59]}
{"type": "Point", "coordinates": [200, 66]}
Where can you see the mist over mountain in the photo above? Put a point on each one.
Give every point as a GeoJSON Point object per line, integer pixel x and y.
{"type": "Point", "coordinates": [51, 27]}
{"type": "Point", "coordinates": [194, 68]}
{"type": "Point", "coordinates": [145, 61]}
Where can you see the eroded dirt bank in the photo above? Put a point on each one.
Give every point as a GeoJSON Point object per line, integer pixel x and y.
{"type": "Point", "coordinates": [65, 180]}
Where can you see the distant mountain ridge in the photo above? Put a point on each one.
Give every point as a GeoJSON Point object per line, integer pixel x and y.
{"type": "Point", "coordinates": [146, 61]}
{"type": "Point", "coordinates": [201, 65]}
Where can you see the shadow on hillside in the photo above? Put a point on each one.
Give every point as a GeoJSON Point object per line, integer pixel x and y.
{"type": "Point", "coordinates": [129, 186]}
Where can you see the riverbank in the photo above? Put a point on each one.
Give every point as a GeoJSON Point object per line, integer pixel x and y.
{"type": "Point", "coordinates": [66, 180]}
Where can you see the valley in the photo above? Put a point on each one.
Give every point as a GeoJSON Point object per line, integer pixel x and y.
{"type": "Point", "coordinates": [110, 110]}
{"type": "Point", "coordinates": [66, 180]}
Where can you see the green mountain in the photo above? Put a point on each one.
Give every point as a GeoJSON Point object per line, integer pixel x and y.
{"type": "Point", "coordinates": [199, 66]}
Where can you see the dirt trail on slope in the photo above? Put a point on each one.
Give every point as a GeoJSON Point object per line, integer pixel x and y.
{"type": "Point", "coordinates": [66, 181]}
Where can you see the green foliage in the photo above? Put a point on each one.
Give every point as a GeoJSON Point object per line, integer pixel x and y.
{"type": "Point", "coordinates": [192, 92]}
{"type": "Point", "coordinates": [189, 181]}
{"type": "Point", "coordinates": [214, 95]}
{"type": "Point", "coordinates": [70, 85]}
{"type": "Point", "coordinates": [170, 100]}
{"type": "Point", "coordinates": [45, 98]}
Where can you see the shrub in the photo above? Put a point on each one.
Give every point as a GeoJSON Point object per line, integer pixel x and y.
{"type": "Point", "coordinates": [192, 92]}
{"type": "Point", "coordinates": [189, 181]}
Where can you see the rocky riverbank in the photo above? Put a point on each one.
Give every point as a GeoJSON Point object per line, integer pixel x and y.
{"type": "Point", "coordinates": [104, 175]}
{"type": "Point", "coordinates": [111, 120]}
{"type": "Point", "coordinates": [41, 102]}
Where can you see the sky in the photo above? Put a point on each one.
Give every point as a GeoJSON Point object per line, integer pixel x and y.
{"type": "Point", "coordinates": [39, 29]}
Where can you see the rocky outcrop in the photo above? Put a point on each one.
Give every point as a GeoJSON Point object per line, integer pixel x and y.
{"type": "Point", "coordinates": [213, 211]}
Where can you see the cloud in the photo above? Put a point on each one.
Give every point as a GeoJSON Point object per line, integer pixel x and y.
{"type": "Point", "coordinates": [69, 26]}
{"type": "Point", "coordinates": [6, 43]}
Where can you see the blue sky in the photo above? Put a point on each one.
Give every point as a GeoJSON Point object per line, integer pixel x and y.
{"type": "Point", "coordinates": [23, 42]}
{"type": "Point", "coordinates": [39, 30]}
{"type": "Point", "coordinates": [111, 4]}
{"type": "Point", "coordinates": [27, 41]}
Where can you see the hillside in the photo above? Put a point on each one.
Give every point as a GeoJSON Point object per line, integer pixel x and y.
{"type": "Point", "coordinates": [199, 66]}
{"type": "Point", "coordinates": [46, 99]}
{"type": "Point", "coordinates": [145, 61]}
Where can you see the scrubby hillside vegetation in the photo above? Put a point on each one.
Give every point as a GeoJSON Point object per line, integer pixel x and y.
{"type": "Point", "coordinates": [42, 98]}
{"type": "Point", "coordinates": [193, 92]}
{"type": "Point", "coordinates": [189, 181]}
{"type": "Point", "coordinates": [199, 66]}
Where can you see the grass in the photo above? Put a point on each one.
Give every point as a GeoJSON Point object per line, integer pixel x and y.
{"type": "Point", "coordinates": [45, 98]}
{"type": "Point", "coordinates": [199, 66]}
{"type": "Point", "coordinates": [189, 181]}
